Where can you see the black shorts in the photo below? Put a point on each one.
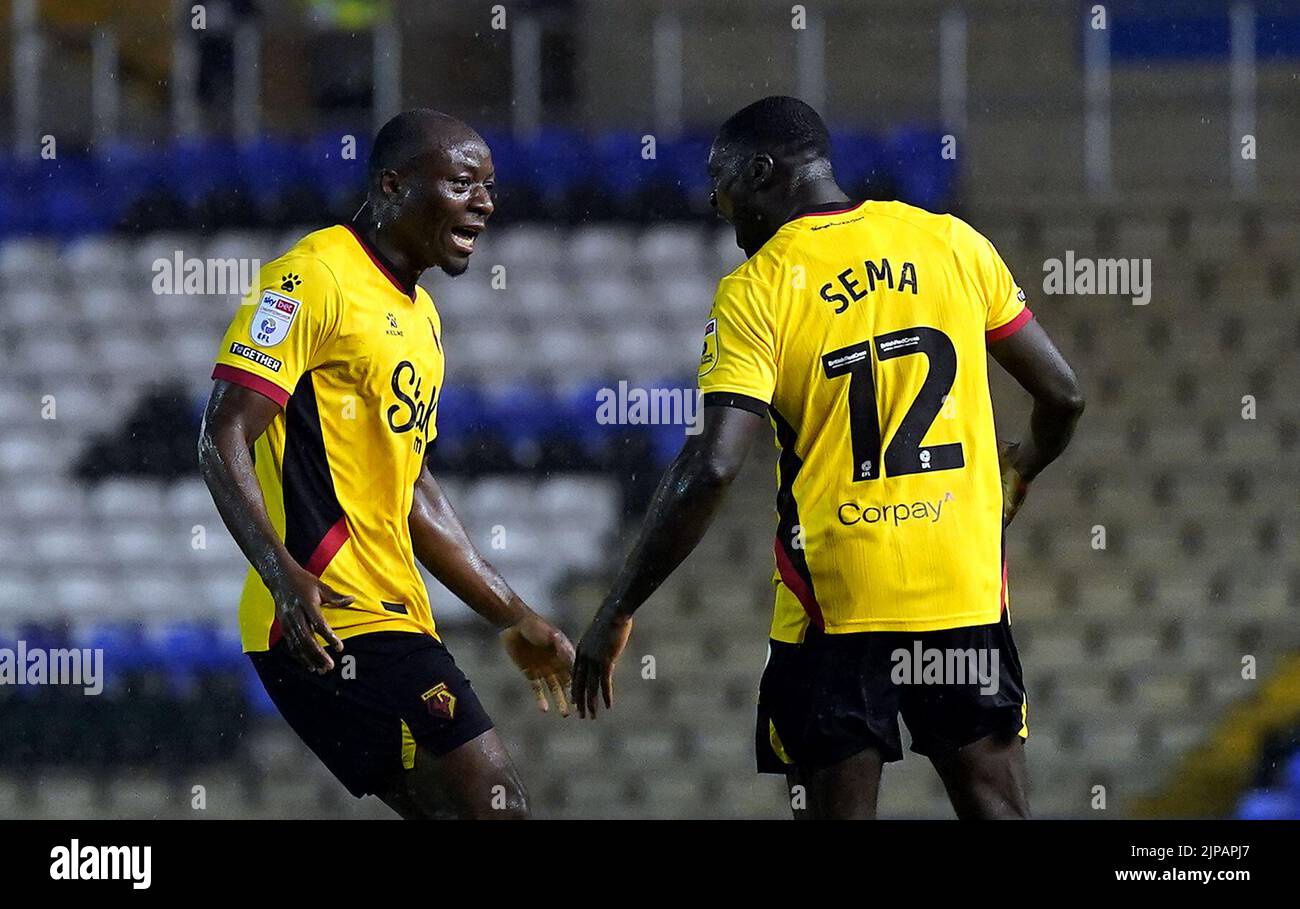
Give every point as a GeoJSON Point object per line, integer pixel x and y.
{"type": "Point", "coordinates": [364, 718]}
{"type": "Point", "coordinates": [835, 695]}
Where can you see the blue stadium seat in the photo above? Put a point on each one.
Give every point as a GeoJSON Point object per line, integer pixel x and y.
{"type": "Point", "coordinates": [573, 411]}
{"type": "Point", "coordinates": [859, 159]}
{"type": "Point", "coordinates": [1291, 775]}
{"type": "Point", "coordinates": [198, 168]}
{"type": "Point", "coordinates": [555, 162]}
{"type": "Point", "coordinates": [685, 162]}
{"type": "Point", "coordinates": [924, 177]}
{"type": "Point", "coordinates": [1268, 805]}
{"type": "Point", "coordinates": [127, 651]}
{"type": "Point", "coordinates": [667, 440]}
{"type": "Point", "coordinates": [560, 173]}
{"type": "Point", "coordinates": [195, 647]}
{"type": "Point", "coordinates": [130, 170]}
{"type": "Point", "coordinates": [579, 404]}
{"type": "Point", "coordinates": [76, 199]}
{"type": "Point", "coordinates": [125, 646]}
{"type": "Point", "coordinates": [333, 175]}
{"type": "Point", "coordinates": [48, 196]}
{"type": "Point", "coordinates": [460, 412]}
{"type": "Point", "coordinates": [505, 153]}
{"type": "Point", "coordinates": [254, 692]}
{"type": "Point", "coordinates": [521, 413]}
{"type": "Point", "coordinates": [272, 165]}
{"type": "Point", "coordinates": [621, 169]}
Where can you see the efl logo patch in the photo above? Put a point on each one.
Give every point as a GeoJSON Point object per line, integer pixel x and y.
{"type": "Point", "coordinates": [709, 356]}
{"type": "Point", "coordinates": [261, 359]}
{"type": "Point", "coordinates": [439, 701]}
{"type": "Point", "coordinates": [272, 319]}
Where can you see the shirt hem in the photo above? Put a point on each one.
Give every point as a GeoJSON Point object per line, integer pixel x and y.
{"type": "Point", "coordinates": [394, 624]}
{"type": "Point", "coordinates": [966, 620]}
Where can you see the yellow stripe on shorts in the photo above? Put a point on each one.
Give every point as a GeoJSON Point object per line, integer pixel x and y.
{"type": "Point", "coordinates": [408, 747]}
{"type": "Point", "coordinates": [775, 741]}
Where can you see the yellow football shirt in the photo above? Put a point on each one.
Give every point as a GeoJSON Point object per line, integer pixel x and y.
{"type": "Point", "coordinates": [861, 333]}
{"type": "Point", "coordinates": [356, 363]}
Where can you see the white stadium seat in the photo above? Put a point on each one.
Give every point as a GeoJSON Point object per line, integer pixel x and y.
{"type": "Point", "coordinates": [127, 500]}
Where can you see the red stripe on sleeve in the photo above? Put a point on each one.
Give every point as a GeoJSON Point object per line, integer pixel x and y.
{"type": "Point", "coordinates": [250, 380]}
{"type": "Point", "coordinates": [1006, 331]}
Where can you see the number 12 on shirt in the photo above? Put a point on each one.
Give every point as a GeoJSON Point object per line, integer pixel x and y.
{"type": "Point", "coordinates": [905, 454]}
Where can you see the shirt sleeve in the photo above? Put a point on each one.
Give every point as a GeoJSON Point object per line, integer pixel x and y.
{"type": "Point", "coordinates": [739, 357]}
{"type": "Point", "coordinates": [282, 329]}
{"type": "Point", "coordinates": [1005, 311]}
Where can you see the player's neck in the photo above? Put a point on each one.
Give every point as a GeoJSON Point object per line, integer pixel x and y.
{"type": "Point", "coordinates": [813, 197]}
{"type": "Point", "coordinates": [816, 196]}
{"type": "Point", "coordinates": [395, 261]}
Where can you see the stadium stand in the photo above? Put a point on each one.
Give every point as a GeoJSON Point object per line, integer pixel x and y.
{"type": "Point", "coordinates": [1130, 650]}
{"type": "Point", "coordinates": [1148, 564]}
{"type": "Point", "coordinates": [549, 177]}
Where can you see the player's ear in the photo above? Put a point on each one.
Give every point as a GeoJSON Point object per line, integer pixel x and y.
{"type": "Point", "coordinates": [390, 185]}
{"type": "Point", "coordinates": [761, 168]}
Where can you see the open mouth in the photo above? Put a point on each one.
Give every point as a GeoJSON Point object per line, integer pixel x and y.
{"type": "Point", "coordinates": [463, 236]}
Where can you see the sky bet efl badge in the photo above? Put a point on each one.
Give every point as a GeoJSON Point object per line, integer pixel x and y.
{"type": "Point", "coordinates": [274, 315]}
{"type": "Point", "coordinates": [709, 356]}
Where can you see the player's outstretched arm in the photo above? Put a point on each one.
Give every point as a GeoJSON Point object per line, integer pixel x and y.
{"type": "Point", "coordinates": [1033, 360]}
{"type": "Point", "coordinates": [680, 512]}
{"type": "Point", "coordinates": [234, 419]}
{"type": "Point", "coordinates": [538, 648]}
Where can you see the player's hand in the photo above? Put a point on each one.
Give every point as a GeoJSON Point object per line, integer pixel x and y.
{"type": "Point", "coordinates": [1014, 486]}
{"type": "Point", "coordinates": [544, 655]}
{"type": "Point", "coordinates": [299, 598]}
{"type": "Point", "coordinates": [598, 653]}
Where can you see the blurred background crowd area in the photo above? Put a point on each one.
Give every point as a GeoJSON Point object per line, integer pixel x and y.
{"type": "Point", "coordinates": [1154, 579]}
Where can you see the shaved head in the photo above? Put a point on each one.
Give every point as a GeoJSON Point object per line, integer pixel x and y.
{"type": "Point", "coordinates": [413, 133]}
{"type": "Point", "coordinates": [779, 126]}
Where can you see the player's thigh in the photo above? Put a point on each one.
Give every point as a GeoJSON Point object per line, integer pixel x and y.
{"type": "Point", "coordinates": [476, 780]}
{"type": "Point", "coordinates": [986, 780]}
{"type": "Point", "coordinates": [846, 790]}
{"type": "Point", "coordinates": [972, 725]}
{"type": "Point", "coordinates": [828, 716]}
